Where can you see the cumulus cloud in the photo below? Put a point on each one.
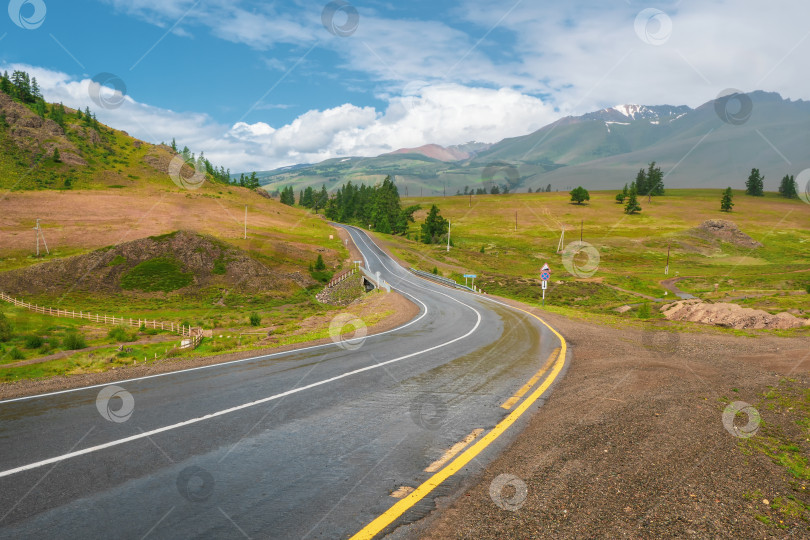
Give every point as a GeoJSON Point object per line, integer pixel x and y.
{"type": "Point", "coordinates": [486, 72]}
{"type": "Point", "coordinates": [444, 114]}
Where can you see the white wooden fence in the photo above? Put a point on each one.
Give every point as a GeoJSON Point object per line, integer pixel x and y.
{"type": "Point", "coordinates": [341, 277]}
{"type": "Point", "coordinates": [194, 334]}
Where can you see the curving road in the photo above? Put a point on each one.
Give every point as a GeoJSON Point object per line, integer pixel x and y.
{"type": "Point", "coordinates": [305, 444]}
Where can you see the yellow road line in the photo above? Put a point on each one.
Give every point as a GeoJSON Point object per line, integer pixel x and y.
{"type": "Point", "coordinates": [403, 505]}
{"type": "Point", "coordinates": [455, 449]}
{"type": "Point", "coordinates": [509, 403]}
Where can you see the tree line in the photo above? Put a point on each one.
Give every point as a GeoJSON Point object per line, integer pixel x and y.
{"type": "Point", "coordinates": [755, 185]}
{"type": "Point", "coordinates": [375, 206]}
{"type": "Point", "coordinates": [23, 88]}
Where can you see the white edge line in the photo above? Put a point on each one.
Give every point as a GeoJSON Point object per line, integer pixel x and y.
{"type": "Point", "coordinates": [262, 357]}
{"type": "Point", "coordinates": [223, 412]}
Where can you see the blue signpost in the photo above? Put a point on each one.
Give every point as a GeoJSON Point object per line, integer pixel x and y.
{"type": "Point", "coordinates": [473, 276]}
{"type": "Point", "coordinates": [545, 274]}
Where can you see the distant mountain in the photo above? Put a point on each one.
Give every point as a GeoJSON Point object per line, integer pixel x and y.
{"type": "Point", "coordinates": [714, 145]}
{"type": "Point", "coordinates": [458, 152]}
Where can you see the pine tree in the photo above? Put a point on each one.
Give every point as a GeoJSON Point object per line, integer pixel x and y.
{"type": "Point", "coordinates": [35, 91]}
{"type": "Point", "coordinates": [641, 182]}
{"type": "Point", "coordinates": [56, 157]}
{"type": "Point", "coordinates": [755, 184]}
{"type": "Point", "coordinates": [434, 226]}
{"type": "Point", "coordinates": [174, 145]}
{"type": "Point", "coordinates": [320, 199]}
{"type": "Point", "coordinates": [632, 205]}
{"type": "Point", "coordinates": [788, 187]}
{"type": "Point", "coordinates": [319, 264]}
{"type": "Point", "coordinates": [655, 181]}
{"type": "Point", "coordinates": [548, 188]}
{"type": "Point", "coordinates": [726, 203]}
{"type": "Point", "coordinates": [5, 84]}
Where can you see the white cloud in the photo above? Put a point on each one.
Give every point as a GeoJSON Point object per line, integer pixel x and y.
{"type": "Point", "coordinates": [444, 114]}
{"type": "Point", "coordinates": [580, 56]}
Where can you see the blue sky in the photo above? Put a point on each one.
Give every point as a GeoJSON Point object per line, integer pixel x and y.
{"type": "Point", "coordinates": [257, 85]}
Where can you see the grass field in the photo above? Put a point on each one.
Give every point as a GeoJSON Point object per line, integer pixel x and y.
{"type": "Point", "coordinates": [632, 250]}
{"type": "Point", "coordinates": [74, 222]}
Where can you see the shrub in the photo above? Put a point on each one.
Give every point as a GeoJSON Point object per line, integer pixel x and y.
{"type": "Point", "coordinates": [6, 329]}
{"type": "Point", "coordinates": [319, 264]}
{"type": "Point", "coordinates": [644, 311]}
{"type": "Point", "coordinates": [483, 250]}
{"type": "Point", "coordinates": [15, 354]}
{"type": "Point", "coordinates": [33, 342]}
{"type": "Point", "coordinates": [158, 274]}
{"type": "Point", "coordinates": [121, 333]}
{"type": "Point", "coordinates": [435, 270]}
{"type": "Point", "coordinates": [220, 267]}
{"type": "Point", "coordinates": [255, 319]}
{"type": "Point", "coordinates": [73, 341]}
{"type": "Point", "coordinates": [322, 276]}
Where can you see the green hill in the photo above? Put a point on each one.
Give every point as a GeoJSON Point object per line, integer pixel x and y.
{"type": "Point", "coordinates": [49, 146]}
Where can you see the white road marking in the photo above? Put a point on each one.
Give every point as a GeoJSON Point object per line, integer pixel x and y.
{"type": "Point", "coordinates": [223, 412]}
{"type": "Point", "coordinates": [263, 357]}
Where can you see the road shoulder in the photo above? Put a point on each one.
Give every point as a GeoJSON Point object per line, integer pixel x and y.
{"type": "Point", "coordinates": [632, 443]}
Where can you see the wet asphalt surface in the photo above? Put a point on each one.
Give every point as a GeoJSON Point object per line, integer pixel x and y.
{"type": "Point", "coordinates": [336, 430]}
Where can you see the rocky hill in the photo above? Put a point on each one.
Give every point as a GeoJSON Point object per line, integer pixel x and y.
{"type": "Point", "coordinates": [179, 263]}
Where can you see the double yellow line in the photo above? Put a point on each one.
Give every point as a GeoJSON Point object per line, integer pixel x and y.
{"type": "Point", "coordinates": [402, 506]}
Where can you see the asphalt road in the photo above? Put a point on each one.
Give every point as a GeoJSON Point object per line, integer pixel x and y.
{"type": "Point", "coordinates": [305, 444]}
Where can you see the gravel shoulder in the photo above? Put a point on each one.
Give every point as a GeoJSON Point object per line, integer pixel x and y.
{"type": "Point", "coordinates": [631, 443]}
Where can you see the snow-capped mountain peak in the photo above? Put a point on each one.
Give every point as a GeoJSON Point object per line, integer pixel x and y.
{"type": "Point", "coordinates": [630, 110]}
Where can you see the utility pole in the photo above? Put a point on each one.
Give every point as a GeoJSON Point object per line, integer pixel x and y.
{"type": "Point", "coordinates": [448, 236]}
{"type": "Point", "coordinates": [444, 189]}
{"type": "Point", "coordinates": [245, 222]}
{"type": "Point", "coordinates": [39, 233]}
{"type": "Point", "coordinates": [666, 269]}
{"type": "Point", "coordinates": [515, 220]}
{"type": "Point", "coordinates": [470, 205]}
{"type": "Point", "coordinates": [581, 226]}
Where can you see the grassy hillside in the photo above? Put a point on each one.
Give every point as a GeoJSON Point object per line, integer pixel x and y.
{"type": "Point", "coordinates": [632, 249]}
{"type": "Point", "coordinates": [105, 189]}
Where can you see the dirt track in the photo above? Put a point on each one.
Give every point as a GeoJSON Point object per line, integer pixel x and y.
{"type": "Point", "coordinates": [631, 443]}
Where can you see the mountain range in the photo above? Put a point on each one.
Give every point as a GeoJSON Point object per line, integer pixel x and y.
{"type": "Point", "coordinates": [714, 145]}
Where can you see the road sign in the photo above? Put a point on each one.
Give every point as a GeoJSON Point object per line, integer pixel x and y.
{"type": "Point", "coordinates": [470, 276]}
{"type": "Point", "coordinates": [545, 285]}
{"type": "Point", "coordinates": [546, 268]}
{"type": "Point", "coordinates": [544, 276]}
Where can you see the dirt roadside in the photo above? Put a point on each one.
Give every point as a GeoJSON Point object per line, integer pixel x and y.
{"type": "Point", "coordinates": [631, 443]}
